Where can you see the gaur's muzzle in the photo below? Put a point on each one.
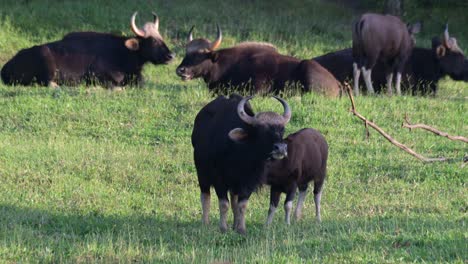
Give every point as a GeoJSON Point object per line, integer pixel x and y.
{"type": "Point", "coordinates": [280, 151]}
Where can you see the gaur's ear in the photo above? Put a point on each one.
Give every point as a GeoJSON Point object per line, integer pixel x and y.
{"type": "Point", "coordinates": [415, 28]}
{"type": "Point", "coordinates": [238, 134]}
{"type": "Point", "coordinates": [132, 44]}
{"type": "Point", "coordinates": [440, 51]}
{"type": "Point", "coordinates": [214, 56]}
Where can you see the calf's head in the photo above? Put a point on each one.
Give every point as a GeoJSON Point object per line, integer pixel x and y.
{"type": "Point", "coordinates": [200, 54]}
{"type": "Point", "coordinates": [264, 131]}
{"type": "Point", "coordinates": [449, 56]}
{"type": "Point", "coordinates": [148, 42]}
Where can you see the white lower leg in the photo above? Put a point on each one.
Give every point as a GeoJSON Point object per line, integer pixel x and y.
{"type": "Point", "coordinates": [241, 206]}
{"type": "Point", "coordinates": [205, 201]}
{"type": "Point", "coordinates": [367, 78]}
{"type": "Point", "coordinates": [389, 83]}
{"type": "Point", "coordinates": [287, 210]}
{"type": "Point", "coordinates": [317, 198]}
{"type": "Point", "coordinates": [398, 83]}
{"type": "Point", "coordinates": [356, 74]}
{"type": "Point", "coordinates": [223, 209]}
{"type": "Point", "coordinates": [53, 84]}
{"type": "Point", "coordinates": [300, 204]}
{"type": "Point", "coordinates": [271, 213]}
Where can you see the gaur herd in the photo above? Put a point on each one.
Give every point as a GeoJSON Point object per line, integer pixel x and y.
{"type": "Point", "coordinates": [236, 150]}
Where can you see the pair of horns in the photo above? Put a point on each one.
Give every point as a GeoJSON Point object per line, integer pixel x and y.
{"type": "Point", "coordinates": [215, 44]}
{"type": "Point", "coordinates": [140, 32]}
{"type": "Point", "coordinates": [252, 120]}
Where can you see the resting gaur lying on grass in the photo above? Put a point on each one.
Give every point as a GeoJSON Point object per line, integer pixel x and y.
{"type": "Point", "coordinates": [90, 57]}
{"type": "Point", "coordinates": [253, 66]}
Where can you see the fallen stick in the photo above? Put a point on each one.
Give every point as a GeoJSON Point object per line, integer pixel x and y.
{"type": "Point", "coordinates": [385, 135]}
{"type": "Point", "coordinates": [407, 124]}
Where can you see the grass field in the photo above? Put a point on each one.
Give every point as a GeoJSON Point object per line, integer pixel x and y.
{"type": "Point", "coordinates": [88, 175]}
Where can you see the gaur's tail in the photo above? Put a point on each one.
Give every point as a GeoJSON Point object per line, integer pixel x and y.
{"type": "Point", "coordinates": [357, 37]}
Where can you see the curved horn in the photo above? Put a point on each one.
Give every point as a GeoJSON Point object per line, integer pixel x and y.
{"type": "Point", "coordinates": [242, 114]}
{"type": "Point", "coordinates": [156, 21]}
{"type": "Point", "coordinates": [218, 40]}
{"type": "Point", "coordinates": [135, 29]}
{"type": "Point", "coordinates": [446, 36]}
{"type": "Point", "coordinates": [190, 34]}
{"type": "Point", "coordinates": [287, 110]}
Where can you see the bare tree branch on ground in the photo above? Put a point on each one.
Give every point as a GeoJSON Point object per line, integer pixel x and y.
{"type": "Point", "coordinates": [384, 134]}
{"type": "Point", "coordinates": [407, 124]}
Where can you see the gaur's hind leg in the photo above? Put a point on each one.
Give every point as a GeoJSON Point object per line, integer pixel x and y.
{"type": "Point", "coordinates": [356, 75]}
{"type": "Point", "coordinates": [400, 67]}
{"type": "Point", "coordinates": [300, 201]}
{"type": "Point", "coordinates": [389, 78]}
{"type": "Point", "coordinates": [275, 194]}
{"type": "Point", "coordinates": [318, 188]}
{"type": "Point", "coordinates": [206, 202]}
{"type": "Point", "coordinates": [203, 181]}
{"type": "Point", "coordinates": [366, 74]}
{"type": "Point", "coordinates": [398, 83]}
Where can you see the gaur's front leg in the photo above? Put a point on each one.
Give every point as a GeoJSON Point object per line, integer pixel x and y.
{"type": "Point", "coordinates": [241, 208]}
{"type": "Point", "coordinates": [288, 203]}
{"type": "Point", "coordinates": [234, 208]}
{"type": "Point", "coordinates": [136, 80]}
{"type": "Point", "coordinates": [318, 188]}
{"type": "Point", "coordinates": [223, 202]}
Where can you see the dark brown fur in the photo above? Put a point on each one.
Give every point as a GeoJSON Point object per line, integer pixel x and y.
{"type": "Point", "coordinates": [86, 57]}
{"type": "Point", "coordinates": [421, 74]}
{"type": "Point", "coordinates": [256, 68]}
{"type": "Point", "coordinates": [306, 162]}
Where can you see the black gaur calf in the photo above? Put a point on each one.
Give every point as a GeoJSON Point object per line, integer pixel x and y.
{"type": "Point", "coordinates": [252, 66]}
{"type": "Point", "coordinates": [231, 145]}
{"type": "Point", "coordinates": [422, 71]}
{"type": "Point", "coordinates": [90, 57]}
{"type": "Point", "coordinates": [306, 161]}
{"type": "Point", "coordinates": [385, 38]}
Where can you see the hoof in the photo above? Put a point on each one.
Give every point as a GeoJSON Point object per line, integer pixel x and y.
{"type": "Point", "coordinates": [241, 231]}
{"type": "Point", "coordinates": [223, 229]}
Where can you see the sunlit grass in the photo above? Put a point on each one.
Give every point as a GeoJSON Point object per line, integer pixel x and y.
{"type": "Point", "coordinates": [90, 175]}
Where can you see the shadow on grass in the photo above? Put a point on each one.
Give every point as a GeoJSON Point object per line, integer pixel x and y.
{"type": "Point", "coordinates": [411, 238]}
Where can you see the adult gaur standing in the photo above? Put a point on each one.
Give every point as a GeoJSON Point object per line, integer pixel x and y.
{"type": "Point", "coordinates": [90, 57]}
{"type": "Point", "coordinates": [385, 38]}
{"type": "Point", "coordinates": [252, 66]}
{"type": "Point", "coordinates": [306, 161]}
{"type": "Point", "coordinates": [422, 71]}
{"type": "Point", "coordinates": [231, 146]}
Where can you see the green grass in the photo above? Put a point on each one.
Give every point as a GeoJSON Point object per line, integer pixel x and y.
{"type": "Point", "coordinates": [89, 175]}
